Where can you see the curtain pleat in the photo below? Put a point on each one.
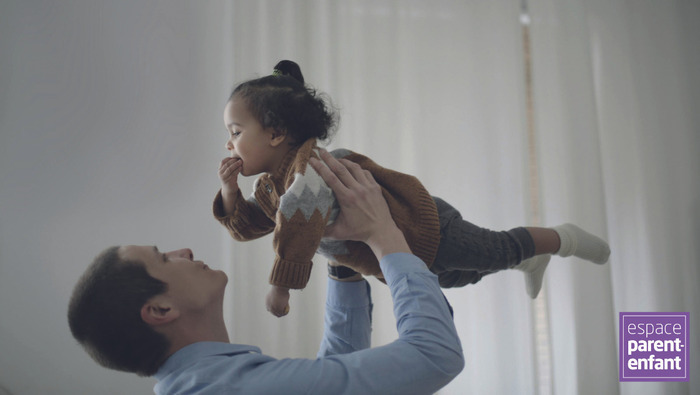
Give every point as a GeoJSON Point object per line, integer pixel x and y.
{"type": "Point", "coordinates": [437, 89]}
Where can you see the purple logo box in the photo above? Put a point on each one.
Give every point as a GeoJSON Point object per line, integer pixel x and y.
{"type": "Point", "coordinates": [654, 346]}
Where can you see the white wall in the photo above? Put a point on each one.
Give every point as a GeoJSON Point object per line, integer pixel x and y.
{"type": "Point", "coordinates": [97, 101]}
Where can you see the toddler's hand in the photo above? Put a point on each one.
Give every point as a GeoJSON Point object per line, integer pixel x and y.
{"type": "Point", "coordinates": [277, 301]}
{"type": "Point", "coordinates": [229, 169]}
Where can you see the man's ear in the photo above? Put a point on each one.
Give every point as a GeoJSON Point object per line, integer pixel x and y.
{"type": "Point", "coordinates": [157, 312]}
{"type": "Point", "coordinates": [277, 136]}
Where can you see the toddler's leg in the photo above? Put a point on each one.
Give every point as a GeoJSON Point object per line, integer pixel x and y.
{"type": "Point", "coordinates": [471, 251]}
{"type": "Point", "coordinates": [564, 240]}
{"type": "Point", "coordinates": [534, 273]}
{"type": "Point", "coordinates": [459, 278]}
{"type": "Point", "coordinates": [577, 242]}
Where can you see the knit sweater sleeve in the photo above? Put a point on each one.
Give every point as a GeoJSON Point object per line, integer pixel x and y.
{"type": "Point", "coordinates": [247, 222]}
{"type": "Point", "coordinates": [303, 212]}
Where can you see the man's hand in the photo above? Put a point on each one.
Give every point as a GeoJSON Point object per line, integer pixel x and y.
{"type": "Point", "coordinates": [364, 214]}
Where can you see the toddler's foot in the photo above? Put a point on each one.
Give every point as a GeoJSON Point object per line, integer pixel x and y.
{"type": "Point", "coordinates": [534, 273]}
{"type": "Point", "coordinates": [577, 242]}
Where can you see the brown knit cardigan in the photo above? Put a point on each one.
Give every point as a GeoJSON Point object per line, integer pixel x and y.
{"type": "Point", "coordinates": [296, 204]}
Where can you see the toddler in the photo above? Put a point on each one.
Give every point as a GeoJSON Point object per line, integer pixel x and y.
{"type": "Point", "coordinates": [274, 123]}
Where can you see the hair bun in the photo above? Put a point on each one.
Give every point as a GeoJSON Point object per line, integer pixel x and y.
{"type": "Point", "coordinates": [287, 67]}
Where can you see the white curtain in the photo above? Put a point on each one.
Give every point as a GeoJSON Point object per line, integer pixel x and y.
{"type": "Point", "coordinates": [617, 97]}
{"type": "Point", "coordinates": [111, 132]}
{"type": "Point", "coordinates": [436, 89]}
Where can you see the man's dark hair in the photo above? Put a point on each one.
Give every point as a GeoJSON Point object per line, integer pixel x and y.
{"type": "Point", "coordinates": [104, 315]}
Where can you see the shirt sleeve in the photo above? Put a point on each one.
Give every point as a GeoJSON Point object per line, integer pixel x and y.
{"type": "Point", "coordinates": [426, 356]}
{"type": "Point", "coordinates": [248, 221]}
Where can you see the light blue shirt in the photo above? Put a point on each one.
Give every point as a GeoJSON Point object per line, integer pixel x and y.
{"type": "Point", "coordinates": [426, 356]}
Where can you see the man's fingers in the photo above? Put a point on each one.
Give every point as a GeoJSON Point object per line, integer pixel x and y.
{"type": "Point", "coordinates": [358, 173]}
{"type": "Point", "coordinates": [344, 177]}
{"type": "Point", "coordinates": [334, 173]}
{"type": "Point", "coordinates": [329, 177]}
{"type": "Point", "coordinates": [340, 169]}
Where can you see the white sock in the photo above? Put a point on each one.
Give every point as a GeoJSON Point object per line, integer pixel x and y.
{"type": "Point", "coordinates": [577, 242]}
{"type": "Point", "coordinates": [534, 273]}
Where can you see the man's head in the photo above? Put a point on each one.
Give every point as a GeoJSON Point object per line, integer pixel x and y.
{"type": "Point", "coordinates": [126, 304]}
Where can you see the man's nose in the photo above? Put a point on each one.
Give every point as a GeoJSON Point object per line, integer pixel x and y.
{"type": "Point", "coordinates": [183, 253]}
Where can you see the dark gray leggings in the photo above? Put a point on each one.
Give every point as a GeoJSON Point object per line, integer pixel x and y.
{"type": "Point", "coordinates": [468, 252]}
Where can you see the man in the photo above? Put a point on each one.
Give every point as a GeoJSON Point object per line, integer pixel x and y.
{"type": "Point", "coordinates": [139, 310]}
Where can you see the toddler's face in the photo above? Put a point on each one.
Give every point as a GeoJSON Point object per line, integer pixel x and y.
{"type": "Point", "coordinates": [248, 140]}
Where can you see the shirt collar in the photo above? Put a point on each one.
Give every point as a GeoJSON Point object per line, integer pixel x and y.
{"type": "Point", "coordinates": [196, 351]}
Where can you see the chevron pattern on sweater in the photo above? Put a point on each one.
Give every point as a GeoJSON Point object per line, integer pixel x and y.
{"type": "Point", "coordinates": [307, 193]}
